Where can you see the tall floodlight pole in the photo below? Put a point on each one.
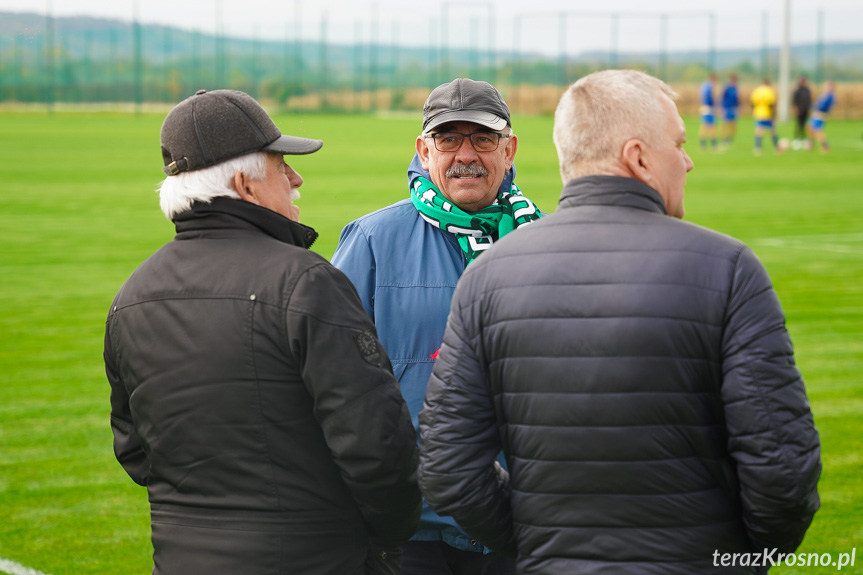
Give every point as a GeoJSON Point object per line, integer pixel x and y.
{"type": "Point", "coordinates": [516, 60]}
{"type": "Point", "coordinates": [324, 85]}
{"type": "Point", "coordinates": [220, 48]}
{"type": "Point", "coordinates": [373, 57]}
{"type": "Point", "coordinates": [474, 48]}
{"type": "Point", "coordinates": [433, 54]}
{"type": "Point", "coordinates": [492, 54]}
{"type": "Point", "coordinates": [712, 41]}
{"type": "Point", "coordinates": [615, 25]}
{"type": "Point", "coordinates": [286, 70]}
{"type": "Point", "coordinates": [49, 58]}
{"type": "Point", "coordinates": [562, 39]}
{"type": "Point", "coordinates": [819, 57]}
{"type": "Point", "coordinates": [396, 56]}
{"type": "Point", "coordinates": [195, 64]}
{"type": "Point", "coordinates": [764, 44]}
{"type": "Point", "coordinates": [87, 69]}
{"type": "Point", "coordinates": [255, 68]}
{"type": "Point", "coordinates": [298, 45]}
{"type": "Point", "coordinates": [167, 50]}
{"type": "Point", "coordinates": [17, 64]}
{"type": "Point", "coordinates": [444, 52]}
{"type": "Point", "coordinates": [139, 83]}
{"type": "Point", "coordinates": [663, 49]}
{"type": "Point", "coordinates": [785, 64]}
{"type": "Point", "coordinates": [357, 75]}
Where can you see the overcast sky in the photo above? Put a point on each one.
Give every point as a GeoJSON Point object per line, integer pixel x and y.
{"type": "Point", "coordinates": [532, 24]}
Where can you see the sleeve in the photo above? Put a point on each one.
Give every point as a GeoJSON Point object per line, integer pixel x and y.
{"type": "Point", "coordinates": [354, 257]}
{"type": "Point", "coordinates": [459, 437]}
{"type": "Point", "coordinates": [127, 445]}
{"type": "Point", "coordinates": [771, 432]}
{"type": "Point", "coordinates": [357, 401]}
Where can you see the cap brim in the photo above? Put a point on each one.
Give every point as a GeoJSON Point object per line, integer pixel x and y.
{"type": "Point", "coordinates": [293, 145]}
{"type": "Point", "coordinates": [487, 119]}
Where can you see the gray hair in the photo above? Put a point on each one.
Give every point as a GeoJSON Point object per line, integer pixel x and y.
{"type": "Point", "coordinates": [600, 112]}
{"type": "Point", "coordinates": [177, 193]}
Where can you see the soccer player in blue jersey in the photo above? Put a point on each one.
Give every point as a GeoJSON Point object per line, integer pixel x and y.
{"type": "Point", "coordinates": [707, 112]}
{"type": "Point", "coordinates": [819, 113]}
{"type": "Point", "coordinates": [730, 103]}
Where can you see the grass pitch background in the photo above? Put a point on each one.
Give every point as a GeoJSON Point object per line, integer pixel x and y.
{"type": "Point", "coordinates": [78, 213]}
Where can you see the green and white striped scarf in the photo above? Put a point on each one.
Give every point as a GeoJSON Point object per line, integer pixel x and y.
{"type": "Point", "coordinates": [476, 231]}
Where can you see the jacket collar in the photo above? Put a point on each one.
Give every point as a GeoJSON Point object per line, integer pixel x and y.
{"type": "Point", "coordinates": [228, 213]}
{"type": "Point", "coordinates": [611, 191]}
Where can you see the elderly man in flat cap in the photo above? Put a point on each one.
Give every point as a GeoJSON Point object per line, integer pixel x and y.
{"type": "Point", "coordinates": [405, 260]}
{"type": "Point", "coordinates": [249, 391]}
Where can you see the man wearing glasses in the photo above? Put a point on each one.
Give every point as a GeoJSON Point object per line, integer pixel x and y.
{"type": "Point", "coordinates": [405, 260]}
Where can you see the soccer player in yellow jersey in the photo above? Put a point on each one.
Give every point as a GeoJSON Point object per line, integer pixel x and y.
{"type": "Point", "coordinates": [763, 103]}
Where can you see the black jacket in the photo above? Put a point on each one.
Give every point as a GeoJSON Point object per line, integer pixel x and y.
{"type": "Point", "coordinates": [802, 99]}
{"type": "Point", "coordinates": [249, 393]}
{"type": "Point", "coordinates": [637, 372]}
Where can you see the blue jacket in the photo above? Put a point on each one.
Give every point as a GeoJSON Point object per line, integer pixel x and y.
{"type": "Point", "coordinates": [729, 97]}
{"type": "Point", "coordinates": [706, 94]}
{"type": "Point", "coordinates": [405, 271]}
{"type": "Point", "coordinates": [825, 102]}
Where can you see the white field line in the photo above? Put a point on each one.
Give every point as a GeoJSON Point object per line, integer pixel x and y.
{"type": "Point", "coordinates": [13, 568]}
{"type": "Point", "coordinates": [837, 243]}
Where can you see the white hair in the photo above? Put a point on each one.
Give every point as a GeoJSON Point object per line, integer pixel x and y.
{"type": "Point", "coordinates": [600, 112]}
{"type": "Point", "coordinates": [177, 193]}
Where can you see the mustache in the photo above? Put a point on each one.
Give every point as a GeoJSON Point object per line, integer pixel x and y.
{"type": "Point", "coordinates": [470, 170]}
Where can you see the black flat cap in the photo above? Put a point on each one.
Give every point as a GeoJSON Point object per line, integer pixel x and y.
{"type": "Point", "coordinates": [465, 100]}
{"type": "Point", "coordinates": [211, 127]}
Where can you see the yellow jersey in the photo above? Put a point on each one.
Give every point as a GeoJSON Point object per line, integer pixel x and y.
{"type": "Point", "coordinates": [763, 99]}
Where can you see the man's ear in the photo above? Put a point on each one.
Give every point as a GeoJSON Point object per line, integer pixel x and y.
{"type": "Point", "coordinates": [423, 151]}
{"type": "Point", "coordinates": [636, 160]}
{"type": "Point", "coordinates": [511, 147]}
{"type": "Point", "coordinates": [241, 184]}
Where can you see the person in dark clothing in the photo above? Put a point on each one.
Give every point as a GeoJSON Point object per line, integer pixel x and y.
{"type": "Point", "coordinates": [249, 391]}
{"type": "Point", "coordinates": [634, 368]}
{"type": "Point", "coordinates": [802, 100]}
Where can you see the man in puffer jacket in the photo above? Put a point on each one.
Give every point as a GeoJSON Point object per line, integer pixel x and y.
{"type": "Point", "coordinates": [249, 391]}
{"type": "Point", "coordinates": [635, 369]}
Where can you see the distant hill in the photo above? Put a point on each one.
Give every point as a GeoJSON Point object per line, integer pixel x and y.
{"type": "Point", "coordinates": [109, 60]}
{"type": "Point", "coordinates": [101, 38]}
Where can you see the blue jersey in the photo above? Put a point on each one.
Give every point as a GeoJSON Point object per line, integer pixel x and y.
{"type": "Point", "coordinates": [729, 97]}
{"type": "Point", "coordinates": [707, 95]}
{"type": "Point", "coordinates": [825, 102]}
{"type": "Point", "coordinates": [706, 107]}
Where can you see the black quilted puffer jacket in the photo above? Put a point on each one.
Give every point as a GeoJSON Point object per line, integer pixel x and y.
{"type": "Point", "coordinates": [249, 393]}
{"type": "Point", "coordinates": [637, 372]}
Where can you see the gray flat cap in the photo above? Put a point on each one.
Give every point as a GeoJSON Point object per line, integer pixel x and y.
{"type": "Point", "coordinates": [465, 100]}
{"type": "Point", "coordinates": [210, 127]}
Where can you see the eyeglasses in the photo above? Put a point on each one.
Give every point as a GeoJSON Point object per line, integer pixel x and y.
{"type": "Point", "coordinates": [481, 141]}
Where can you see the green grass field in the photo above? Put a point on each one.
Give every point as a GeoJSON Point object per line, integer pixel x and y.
{"type": "Point", "coordinates": [78, 213]}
